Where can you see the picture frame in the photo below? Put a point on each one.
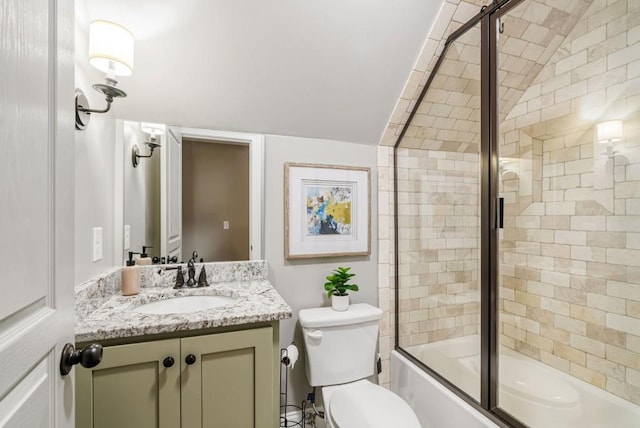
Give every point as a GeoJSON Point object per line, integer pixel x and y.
{"type": "Point", "coordinates": [327, 211]}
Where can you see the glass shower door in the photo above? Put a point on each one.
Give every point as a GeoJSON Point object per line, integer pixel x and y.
{"type": "Point", "coordinates": [569, 146]}
{"type": "Point", "coordinates": [438, 167]}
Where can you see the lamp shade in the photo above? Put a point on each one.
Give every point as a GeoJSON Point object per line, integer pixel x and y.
{"type": "Point", "coordinates": [609, 132]}
{"type": "Point", "coordinates": [111, 48]}
{"type": "Point", "coordinates": [152, 128]}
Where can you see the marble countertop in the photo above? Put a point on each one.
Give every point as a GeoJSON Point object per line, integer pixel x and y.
{"type": "Point", "coordinates": [102, 312]}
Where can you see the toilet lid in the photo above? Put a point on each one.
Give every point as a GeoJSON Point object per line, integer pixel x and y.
{"type": "Point", "coordinates": [366, 405]}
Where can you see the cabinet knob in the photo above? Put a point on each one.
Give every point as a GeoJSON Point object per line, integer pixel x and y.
{"type": "Point", "coordinates": [90, 356]}
{"type": "Point", "coordinates": [190, 359]}
{"type": "Point", "coordinates": [168, 362]}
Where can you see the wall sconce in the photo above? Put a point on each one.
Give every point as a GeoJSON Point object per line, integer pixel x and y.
{"type": "Point", "coordinates": [110, 51]}
{"type": "Point", "coordinates": [153, 131]}
{"type": "Point", "coordinates": [608, 133]}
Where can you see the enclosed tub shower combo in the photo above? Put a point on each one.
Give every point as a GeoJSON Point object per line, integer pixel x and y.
{"type": "Point", "coordinates": [517, 220]}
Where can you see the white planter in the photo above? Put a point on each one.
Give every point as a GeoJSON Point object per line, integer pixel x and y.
{"type": "Point", "coordinates": [340, 303]}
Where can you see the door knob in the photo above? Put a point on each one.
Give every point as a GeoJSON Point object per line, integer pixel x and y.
{"type": "Point", "coordinates": [168, 362]}
{"type": "Point", "coordinates": [190, 359]}
{"type": "Point", "coordinates": [89, 356]}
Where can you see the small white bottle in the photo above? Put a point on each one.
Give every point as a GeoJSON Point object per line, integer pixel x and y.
{"type": "Point", "coordinates": [144, 259]}
{"type": "Point", "coordinates": [130, 277]}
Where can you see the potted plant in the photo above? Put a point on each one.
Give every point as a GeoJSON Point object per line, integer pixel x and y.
{"type": "Point", "coordinates": [336, 287]}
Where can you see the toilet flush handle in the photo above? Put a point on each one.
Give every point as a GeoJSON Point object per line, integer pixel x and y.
{"type": "Point", "coordinates": [315, 334]}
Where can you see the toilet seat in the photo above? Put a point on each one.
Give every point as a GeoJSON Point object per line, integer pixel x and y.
{"type": "Point", "coordinates": [363, 404]}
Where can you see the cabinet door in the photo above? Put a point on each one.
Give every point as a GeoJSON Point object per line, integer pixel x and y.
{"type": "Point", "coordinates": [131, 388]}
{"type": "Point", "coordinates": [230, 384]}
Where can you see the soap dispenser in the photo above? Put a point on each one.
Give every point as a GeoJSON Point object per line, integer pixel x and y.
{"type": "Point", "coordinates": [144, 259]}
{"type": "Point", "coordinates": [130, 277]}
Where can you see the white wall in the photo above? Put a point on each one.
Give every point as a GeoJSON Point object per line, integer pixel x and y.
{"type": "Point", "coordinates": [300, 282]}
{"type": "Point", "coordinates": [94, 165]}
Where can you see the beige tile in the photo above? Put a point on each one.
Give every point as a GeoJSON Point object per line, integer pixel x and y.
{"type": "Point", "coordinates": [557, 306]}
{"type": "Point", "coordinates": [606, 270]}
{"type": "Point", "coordinates": [623, 323]}
{"type": "Point", "coordinates": [595, 254]}
{"type": "Point", "coordinates": [633, 343]}
{"type": "Point", "coordinates": [624, 290]}
{"type": "Point", "coordinates": [590, 346]}
{"type": "Point", "coordinates": [623, 356]}
{"type": "Point", "coordinates": [539, 342]}
{"type": "Point", "coordinates": [570, 324]}
{"type": "Point", "coordinates": [570, 237]}
{"type": "Point", "coordinates": [588, 375]}
{"type": "Point", "coordinates": [555, 361]}
{"type": "Point", "coordinates": [607, 368]}
{"type": "Point", "coordinates": [606, 239]}
{"type": "Point", "coordinates": [592, 316]}
{"type": "Point", "coordinates": [633, 309]}
{"type": "Point", "coordinates": [569, 353]}
{"type": "Point", "coordinates": [606, 303]}
{"type": "Point", "coordinates": [618, 256]}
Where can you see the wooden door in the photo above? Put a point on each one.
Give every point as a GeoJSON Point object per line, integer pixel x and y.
{"type": "Point", "coordinates": [36, 211]}
{"type": "Point", "coordinates": [131, 387]}
{"type": "Point", "coordinates": [171, 195]}
{"type": "Point", "coordinates": [230, 383]}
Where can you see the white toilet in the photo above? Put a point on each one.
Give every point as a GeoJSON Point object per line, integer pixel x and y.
{"type": "Point", "coordinates": [340, 354]}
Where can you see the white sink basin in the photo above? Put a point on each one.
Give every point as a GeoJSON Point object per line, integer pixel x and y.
{"type": "Point", "coordinates": [183, 305]}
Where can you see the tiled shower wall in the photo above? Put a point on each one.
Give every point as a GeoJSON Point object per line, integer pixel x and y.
{"type": "Point", "coordinates": [438, 243]}
{"type": "Point", "coordinates": [570, 259]}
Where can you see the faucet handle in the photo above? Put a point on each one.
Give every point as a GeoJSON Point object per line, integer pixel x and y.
{"type": "Point", "coordinates": [179, 278]}
{"type": "Point", "coordinates": [202, 278]}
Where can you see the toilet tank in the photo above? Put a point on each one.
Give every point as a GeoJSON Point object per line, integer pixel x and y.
{"type": "Point", "coordinates": [340, 346]}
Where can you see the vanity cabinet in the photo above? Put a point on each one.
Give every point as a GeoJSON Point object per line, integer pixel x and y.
{"type": "Point", "coordinates": [224, 379]}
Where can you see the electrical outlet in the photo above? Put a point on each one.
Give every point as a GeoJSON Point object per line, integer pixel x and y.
{"type": "Point", "coordinates": [97, 244]}
{"type": "Point", "coordinates": [127, 236]}
{"type": "Point", "coordinates": [225, 224]}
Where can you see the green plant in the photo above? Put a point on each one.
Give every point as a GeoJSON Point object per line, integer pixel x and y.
{"type": "Point", "coordinates": [337, 282]}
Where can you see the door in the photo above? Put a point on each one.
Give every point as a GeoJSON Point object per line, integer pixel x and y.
{"type": "Point", "coordinates": [36, 214]}
{"type": "Point", "coordinates": [136, 385]}
{"type": "Point", "coordinates": [171, 195]}
{"type": "Point", "coordinates": [227, 380]}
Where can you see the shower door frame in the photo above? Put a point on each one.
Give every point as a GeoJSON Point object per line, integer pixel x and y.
{"type": "Point", "coordinates": [490, 215]}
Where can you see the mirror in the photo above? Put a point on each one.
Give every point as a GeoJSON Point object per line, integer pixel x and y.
{"type": "Point", "coordinates": [141, 201]}
{"type": "Point", "coordinates": [198, 190]}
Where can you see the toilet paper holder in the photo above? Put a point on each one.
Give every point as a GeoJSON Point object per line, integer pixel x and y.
{"type": "Point", "coordinates": [288, 358]}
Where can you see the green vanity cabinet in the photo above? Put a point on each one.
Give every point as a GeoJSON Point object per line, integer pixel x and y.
{"type": "Point", "coordinates": [226, 379]}
{"type": "Point", "coordinates": [131, 387]}
{"type": "Point", "coordinates": [230, 383]}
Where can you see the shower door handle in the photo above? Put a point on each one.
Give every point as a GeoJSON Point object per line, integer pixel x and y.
{"type": "Point", "coordinates": [499, 220]}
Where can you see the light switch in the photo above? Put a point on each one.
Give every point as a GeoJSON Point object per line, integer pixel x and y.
{"type": "Point", "coordinates": [97, 244]}
{"type": "Point", "coordinates": [127, 236]}
{"type": "Point", "coordinates": [225, 224]}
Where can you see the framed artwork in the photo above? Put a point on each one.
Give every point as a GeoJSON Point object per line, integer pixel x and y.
{"type": "Point", "coordinates": [327, 211]}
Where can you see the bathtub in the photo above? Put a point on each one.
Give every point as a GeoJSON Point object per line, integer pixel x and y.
{"type": "Point", "coordinates": [539, 395]}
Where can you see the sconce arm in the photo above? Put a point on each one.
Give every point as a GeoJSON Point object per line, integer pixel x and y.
{"type": "Point", "coordinates": [145, 156]}
{"type": "Point", "coordinates": [95, 110]}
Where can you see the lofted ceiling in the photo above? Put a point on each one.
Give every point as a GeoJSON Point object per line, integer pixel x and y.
{"type": "Point", "coordinates": [329, 69]}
